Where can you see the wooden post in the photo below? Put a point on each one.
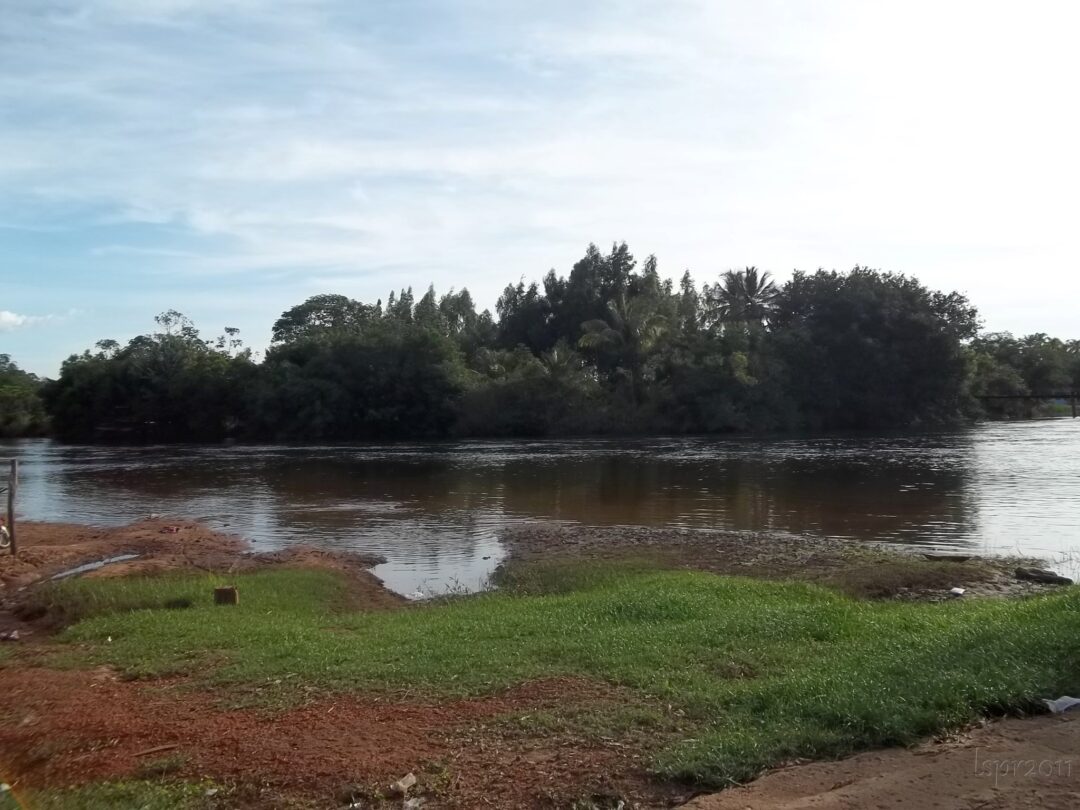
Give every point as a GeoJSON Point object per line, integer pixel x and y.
{"type": "Point", "coordinates": [226, 595]}
{"type": "Point", "coordinates": [13, 483]}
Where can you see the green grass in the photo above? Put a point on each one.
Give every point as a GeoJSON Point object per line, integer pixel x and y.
{"type": "Point", "coordinates": [112, 795]}
{"type": "Point", "coordinates": [760, 671]}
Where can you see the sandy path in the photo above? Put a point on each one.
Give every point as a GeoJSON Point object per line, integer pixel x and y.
{"type": "Point", "coordinates": [1009, 765]}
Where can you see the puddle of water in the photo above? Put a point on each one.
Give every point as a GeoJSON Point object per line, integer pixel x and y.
{"type": "Point", "coordinates": [93, 566]}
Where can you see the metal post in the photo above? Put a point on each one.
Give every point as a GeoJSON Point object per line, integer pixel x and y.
{"type": "Point", "coordinates": [13, 483]}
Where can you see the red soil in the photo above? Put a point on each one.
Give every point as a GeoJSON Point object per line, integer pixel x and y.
{"type": "Point", "coordinates": [60, 728]}
{"type": "Point", "coordinates": [65, 728]}
{"type": "Point", "coordinates": [46, 549]}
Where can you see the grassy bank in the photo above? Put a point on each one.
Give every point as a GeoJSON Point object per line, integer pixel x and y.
{"type": "Point", "coordinates": [144, 795]}
{"type": "Point", "coordinates": [758, 672]}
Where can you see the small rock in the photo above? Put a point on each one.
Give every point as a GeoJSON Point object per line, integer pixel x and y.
{"type": "Point", "coordinates": [402, 785]}
{"type": "Point", "coordinates": [1040, 575]}
{"type": "Point", "coordinates": [414, 804]}
{"type": "Point", "coordinates": [10, 635]}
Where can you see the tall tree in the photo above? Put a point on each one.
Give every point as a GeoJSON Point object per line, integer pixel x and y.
{"type": "Point", "coordinates": [321, 315]}
{"type": "Point", "coordinates": [872, 349]}
{"type": "Point", "coordinates": [21, 410]}
{"type": "Point", "coordinates": [742, 297]}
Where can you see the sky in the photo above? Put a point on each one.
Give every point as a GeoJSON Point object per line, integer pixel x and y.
{"type": "Point", "coordinates": [230, 158]}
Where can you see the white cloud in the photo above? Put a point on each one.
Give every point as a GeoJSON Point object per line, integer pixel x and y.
{"type": "Point", "coordinates": [10, 321]}
{"type": "Point", "coordinates": [475, 141]}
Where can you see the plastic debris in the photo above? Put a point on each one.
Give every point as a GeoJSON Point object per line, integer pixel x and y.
{"type": "Point", "coordinates": [402, 785]}
{"type": "Point", "coordinates": [957, 592]}
{"type": "Point", "coordinates": [414, 804]}
{"type": "Point", "coordinates": [10, 635]}
{"type": "Point", "coordinates": [1062, 704]}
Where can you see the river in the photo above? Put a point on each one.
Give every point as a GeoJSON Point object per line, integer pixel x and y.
{"type": "Point", "coordinates": [434, 511]}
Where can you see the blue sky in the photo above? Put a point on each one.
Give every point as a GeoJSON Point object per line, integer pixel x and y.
{"type": "Point", "coordinates": [229, 158]}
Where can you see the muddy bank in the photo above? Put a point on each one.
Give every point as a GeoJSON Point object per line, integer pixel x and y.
{"type": "Point", "coordinates": [1010, 764]}
{"type": "Point", "coordinates": [157, 546]}
{"type": "Point", "coordinates": [860, 569]}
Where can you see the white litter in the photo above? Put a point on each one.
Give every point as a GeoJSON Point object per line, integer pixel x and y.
{"type": "Point", "coordinates": [1062, 704]}
{"type": "Point", "coordinates": [957, 592]}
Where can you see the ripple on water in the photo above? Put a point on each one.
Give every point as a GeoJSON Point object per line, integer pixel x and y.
{"type": "Point", "coordinates": [434, 511]}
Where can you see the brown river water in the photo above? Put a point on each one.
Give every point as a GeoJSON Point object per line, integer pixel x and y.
{"type": "Point", "coordinates": [434, 511]}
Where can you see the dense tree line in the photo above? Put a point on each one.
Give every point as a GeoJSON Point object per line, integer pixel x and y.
{"type": "Point", "coordinates": [612, 347]}
{"type": "Point", "coordinates": [1036, 364]}
{"type": "Point", "coordinates": [22, 412]}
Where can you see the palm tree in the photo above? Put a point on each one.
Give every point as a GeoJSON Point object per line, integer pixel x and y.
{"type": "Point", "coordinates": [743, 296]}
{"type": "Point", "coordinates": [631, 332]}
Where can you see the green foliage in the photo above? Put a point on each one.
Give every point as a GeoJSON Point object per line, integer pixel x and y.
{"type": "Point", "coordinates": [745, 297]}
{"type": "Point", "coordinates": [144, 795]}
{"type": "Point", "coordinates": [166, 386]}
{"type": "Point", "coordinates": [761, 672]}
{"type": "Point", "coordinates": [871, 349]}
{"type": "Point", "coordinates": [322, 316]}
{"type": "Point", "coordinates": [1004, 365]}
{"type": "Point", "coordinates": [22, 412]}
{"type": "Point", "coordinates": [392, 379]}
{"type": "Point", "coordinates": [609, 348]}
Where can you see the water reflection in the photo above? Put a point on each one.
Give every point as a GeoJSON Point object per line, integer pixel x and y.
{"type": "Point", "coordinates": [435, 511]}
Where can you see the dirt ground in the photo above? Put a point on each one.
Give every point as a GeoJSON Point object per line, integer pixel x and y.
{"type": "Point", "coordinates": [47, 549]}
{"type": "Point", "coordinates": [1008, 765]}
{"type": "Point", "coordinates": [60, 728]}
{"type": "Point", "coordinates": [76, 726]}
{"type": "Point", "coordinates": [71, 727]}
{"type": "Point", "coordinates": [860, 569]}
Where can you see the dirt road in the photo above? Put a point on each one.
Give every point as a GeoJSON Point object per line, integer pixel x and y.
{"type": "Point", "coordinates": [1008, 765]}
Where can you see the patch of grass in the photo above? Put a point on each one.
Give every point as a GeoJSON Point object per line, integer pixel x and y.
{"type": "Point", "coordinates": [872, 577]}
{"type": "Point", "coordinates": [599, 721]}
{"type": "Point", "coordinates": [762, 671]}
{"type": "Point", "coordinates": [68, 601]}
{"type": "Point", "coordinates": [162, 766]}
{"type": "Point", "coordinates": [565, 574]}
{"type": "Point", "coordinates": [112, 795]}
